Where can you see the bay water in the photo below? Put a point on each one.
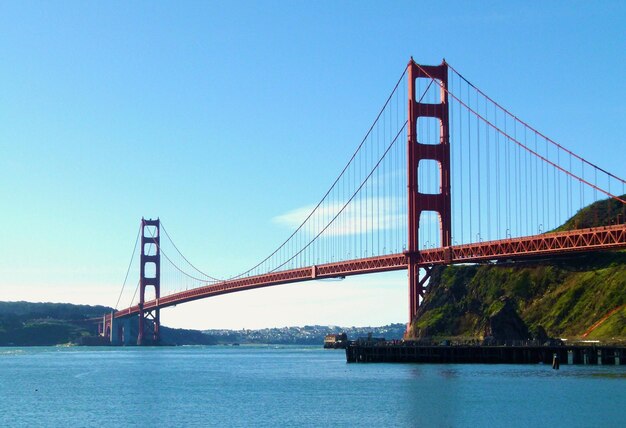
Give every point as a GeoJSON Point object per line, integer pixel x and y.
{"type": "Point", "coordinates": [293, 386]}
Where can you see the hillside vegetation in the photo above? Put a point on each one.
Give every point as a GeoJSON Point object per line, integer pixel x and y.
{"type": "Point", "coordinates": [555, 297]}
{"type": "Point", "coordinates": [47, 324]}
{"type": "Point", "coordinates": [25, 323]}
{"type": "Point", "coordinates": [601, 213]}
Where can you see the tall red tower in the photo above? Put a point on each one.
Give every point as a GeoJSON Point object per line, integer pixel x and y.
{"type": "Point", "coordinates": [418, 201]}
{"type": "Point", "coordinates": [150, 275]}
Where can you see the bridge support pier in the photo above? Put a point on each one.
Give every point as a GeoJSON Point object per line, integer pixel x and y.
{"type": "Point", "coordinates": [417, 287]}
{"type": "Point", "coordinates": [418, 201]}
{"type": "Point", "coordinates": [120, 331]}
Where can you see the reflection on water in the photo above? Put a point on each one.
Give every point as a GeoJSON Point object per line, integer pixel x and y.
{"type": "Point", "coordinates": [292, 386]}
{"type": "Point", "coordinates": [449, 373]}
{"type": "Point", "coordinates": [609, 375]}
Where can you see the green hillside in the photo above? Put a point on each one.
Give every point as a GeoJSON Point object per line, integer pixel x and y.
{"type": "Point", "coordinates": [25, 323]}
{"type": "Point", "coordinates": [47, 324]}
{"type": "Point", "coordinates": [551, 297]}
{"type": "Point", "coordinates": [601, 213]}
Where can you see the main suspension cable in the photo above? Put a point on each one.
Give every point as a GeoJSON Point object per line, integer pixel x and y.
{"type": "Point", "coordinates": [185, 258]}
{"type": "Point", "coordinates": [531, 128]}
{"type": "Point", "coordinates": [348, 201]}
{"type": "Point", "coordinates": [129, 266]}
{"type": "Point", "coordinates": [529, 149]}
{"type": "Point", "coordinates": [334, 183]}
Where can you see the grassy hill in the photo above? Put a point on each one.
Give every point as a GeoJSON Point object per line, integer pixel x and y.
{"type": "Point", "coordinates": [25, 323]}
{"type": "Point", "coordinates": [47, 324]}
{"type": "Point", "coordinates": [561, 297]}
{"type": "Point", "coordinates": [601, 213]}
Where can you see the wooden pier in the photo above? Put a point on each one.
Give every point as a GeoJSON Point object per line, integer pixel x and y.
{"type": "Point", "coordinates": [414, 352]}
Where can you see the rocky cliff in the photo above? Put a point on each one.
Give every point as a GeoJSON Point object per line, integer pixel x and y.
{"type": "Point", "coordinates": [556, 297]}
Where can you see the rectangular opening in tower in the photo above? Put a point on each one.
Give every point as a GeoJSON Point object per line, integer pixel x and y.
{"type": "Point", "coordinates": [150, 270]}
{"type": "Point", "coordinates": [150, 232]}
{"type": "Point", "coordinates": [150, 249]}
{"type": "Point", "coordinates": [429, 230]}
{"type": "Point", "coordinates": [428, 130]}
{"type": "Point", "coordinates": [150, 293]}
{"type": "Point", "coordinates": [427, 90]}
{"type": "Point", "coordinates": [429, 177]}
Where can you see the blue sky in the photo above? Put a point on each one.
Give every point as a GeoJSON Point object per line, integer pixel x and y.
{"type": "Point", "coordinates": [221, 117]}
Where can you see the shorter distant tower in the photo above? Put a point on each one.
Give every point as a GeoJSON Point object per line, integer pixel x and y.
{"type": "Point", "coordinates": [150, 275]}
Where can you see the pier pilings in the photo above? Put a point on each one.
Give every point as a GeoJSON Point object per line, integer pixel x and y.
{"type": "Point", "coordinates": [411, 352]}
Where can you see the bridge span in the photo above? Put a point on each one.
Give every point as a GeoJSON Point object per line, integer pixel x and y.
{"type": "Point", "coordinates": [550, 244]}
{"type": "Point", "coordinates": [471, 184]}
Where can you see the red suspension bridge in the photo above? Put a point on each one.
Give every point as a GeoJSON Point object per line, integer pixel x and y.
{"type": "Point", "coordinates": [443, 175]}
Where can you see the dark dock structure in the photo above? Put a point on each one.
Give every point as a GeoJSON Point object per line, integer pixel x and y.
{"type": "Point", "coordinates": [361, 351]}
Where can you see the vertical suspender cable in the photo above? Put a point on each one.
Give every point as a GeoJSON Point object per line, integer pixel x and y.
{"type": "Point", "coordinates": [478, 176]}
{"type": "Point", "coordinates": [462, 180]}
{"type": "Point", "coordinates": [469, 180]}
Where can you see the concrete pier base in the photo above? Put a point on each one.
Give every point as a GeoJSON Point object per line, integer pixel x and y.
{"type": "Point", "coordinates": [121, 331]}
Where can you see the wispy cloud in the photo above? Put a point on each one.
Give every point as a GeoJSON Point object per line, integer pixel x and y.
{"type": "Point", "coordinates": [293, 218]}
{"type": "Point", "coordinates": [360, 216]}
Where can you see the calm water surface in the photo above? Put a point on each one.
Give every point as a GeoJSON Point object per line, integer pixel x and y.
{"type": "Point", "coordinates": [293, 386]}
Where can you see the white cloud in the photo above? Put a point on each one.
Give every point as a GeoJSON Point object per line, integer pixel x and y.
{"type": "Point", "coordinates": [294, 218]}
{"type": "Point", "coordinates": [371, 214]}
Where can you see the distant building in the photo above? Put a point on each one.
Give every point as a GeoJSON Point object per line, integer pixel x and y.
{"type": "Point", "coordinates": [336, 341]}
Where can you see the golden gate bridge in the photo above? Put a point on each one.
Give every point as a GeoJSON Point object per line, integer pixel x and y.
{"type": "Point", "coordinates": [444, 175]}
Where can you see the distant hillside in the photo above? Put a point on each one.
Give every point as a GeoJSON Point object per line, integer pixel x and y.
{"type": "Point", "coordinates": [66, 311]}
{"type": "Point", "coordinates": [307, 335]}
{"type": "Point", "coordinates": [25, 323]}
{"type": "Point", "coordinates": [561, 297]}
{"type": "Point", "coordinates": [47, 324]}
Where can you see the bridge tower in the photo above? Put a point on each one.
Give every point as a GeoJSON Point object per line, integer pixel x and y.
{"type": "Point", "coordinates": [419, 201]}
{"type": "Point", "coordinates": [150, 275]}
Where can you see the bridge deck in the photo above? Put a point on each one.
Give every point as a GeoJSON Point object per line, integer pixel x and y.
{"type": "Point", "coordinates": [558, 243]}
